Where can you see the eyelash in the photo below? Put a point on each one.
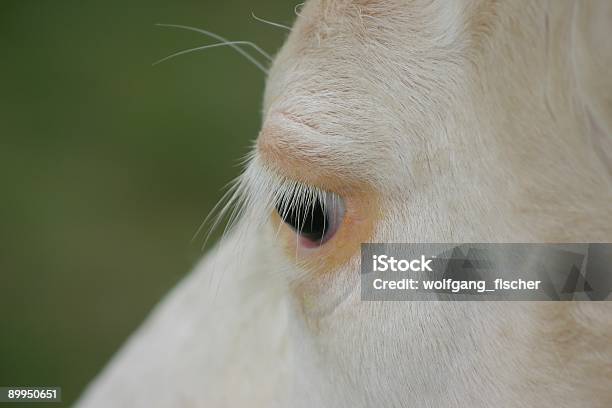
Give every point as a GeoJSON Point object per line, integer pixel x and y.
{"type": "Point", "coordinates": [259, 191]}
{"type": "Point", "coordinates": [313, 215]}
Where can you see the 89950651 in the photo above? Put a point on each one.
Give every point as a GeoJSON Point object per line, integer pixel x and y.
{"type": "Point", "coordinates": [30, 394]}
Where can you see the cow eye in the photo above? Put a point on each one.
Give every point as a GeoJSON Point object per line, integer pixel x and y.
{"type": "Point", "coordinates": [315, 220]}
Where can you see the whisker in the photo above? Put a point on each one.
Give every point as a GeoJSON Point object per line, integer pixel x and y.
{"type": "Point", "coordinates": [229, 43]}
{"type": "Point", "coordinates": [187, 51]}
{"type": "Point", "coordinates": [230, 188]}
{"type": "Point", "coordinates": [229, 201]}
{"type": "Point", "coordinates": [298, 8]}
{"type": "Point", "coordinates": [216, 37]}
{"type": "Point", "coordinates": [272, 23]}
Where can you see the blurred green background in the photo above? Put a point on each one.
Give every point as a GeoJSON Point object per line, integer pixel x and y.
{"type": "Point", "coordinates": [108, 165]}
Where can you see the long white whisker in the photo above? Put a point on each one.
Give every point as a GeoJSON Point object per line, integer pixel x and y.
{"type": "Point", "coordinates": [222, 39]}
{"type": "Point", "coordinates": [187, 51]}
{"type": "Point", "coordinates": [231, 188]}
{"type": "Point", "coordinates": [227, 204]}
{"type": "Point", "coordinates": [218, 38]}
{"type": "Point", "coordinates": [272, 23]}
{"type": "Point", "coordinates": [298, 8]}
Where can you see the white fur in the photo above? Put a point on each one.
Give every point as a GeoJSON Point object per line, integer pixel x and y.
{"type": "Point", "coordinates": [473, 121]}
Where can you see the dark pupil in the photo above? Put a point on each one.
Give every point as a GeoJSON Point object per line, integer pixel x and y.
{"type": "Point", "coordinates": [308, 219]}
